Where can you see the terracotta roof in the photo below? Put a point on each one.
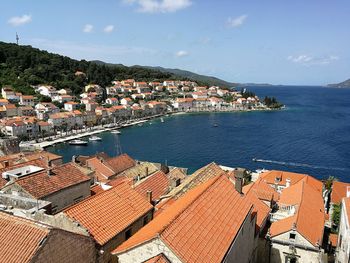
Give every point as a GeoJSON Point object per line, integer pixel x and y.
{"type": "Point", "coordinates": [96, 189]}
{"type": "Point", "coordinates": [106, 214]}
{"type": "Point", "coordinates": [161, 258]}
{"type": "Point", "coordinates": [262, 190]}
{"type": "Point", "coordinates": [193, 226]}
{"type": "Point", "coordinates": [2, 182]}
{"type": "Point", "coordinates": [40, 185]}
{"type": "Point", "coordinates": [158, 183]}
{"type": "Point", "coordinates": [121, 163]}
{"type": "Point", "coordinates": [103, 171]}
{"type": "Point", "coordinates": [347, 208]}
{"type": "Point", "coordinates": [260, 208]}
{"type": "Point", "coordinates": [201, 175]}
{"type": "Point", "coordinates": [333, 238]}
{"type": "Point", "coordinates": [40, 162]}
{"type": "Point", "coordinates": [270, 178]}
{"type": "Point", "coordinates": [20, 238]}
{"type": "Point", "coordinates": [339, 190]}
{"type": "Point", "coordinates": [309, 217]}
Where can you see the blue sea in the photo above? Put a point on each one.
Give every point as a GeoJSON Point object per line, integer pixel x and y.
{"type": "Point", "coordinates": [312, 135]}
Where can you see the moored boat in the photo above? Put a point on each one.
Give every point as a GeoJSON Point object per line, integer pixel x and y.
{"type": "Point", "coordinates": [116, 132]}
{"type": "Point", "coordinates": [95, 138]}
{"type": "Point", "coordinates": [78, 142]}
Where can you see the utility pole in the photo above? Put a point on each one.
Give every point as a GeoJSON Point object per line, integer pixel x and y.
{"type": "Point", "coordinates": [17, 38]}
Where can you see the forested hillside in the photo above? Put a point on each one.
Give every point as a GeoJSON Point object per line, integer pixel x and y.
{"type": "Point", "coordinates": [23, 66]}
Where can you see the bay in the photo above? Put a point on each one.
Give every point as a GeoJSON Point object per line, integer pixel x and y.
{"type": "Point", "coordinates": [312, 135]}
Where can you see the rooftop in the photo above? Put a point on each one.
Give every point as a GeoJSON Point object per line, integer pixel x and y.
{"type": "Point", "coordinates": [158, 183]}
{"type": "Point", "coordinates": [110, 212]}
{"type": "Point", "coordinates": [198, 215]}
{"type": "Point", "coordinates": [339, 191]}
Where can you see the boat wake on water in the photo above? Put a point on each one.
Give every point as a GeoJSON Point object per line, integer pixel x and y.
{"type": "Point", "coordinates": [300, 165]}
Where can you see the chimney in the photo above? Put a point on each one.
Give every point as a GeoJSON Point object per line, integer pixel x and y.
{"type": "Point", "coordinates": [50, 172]}
{"type": "Point", "coordinates": [348, 191]}
{"type": "Point", "coordinates": [239, 177]}
{"type": "Point", "coordinates": [175, 182]}
{"type": "Point", "coordinates": [49, 162]}
{"type": "Point", "coordinates": [146, 171]}
{"type": "Point", "coordinates": [287, 182]}
{"type": "Point", "coordinates": [149, 196]}
{"type": "Point", "coordinates": [6, 164]}
{"type": "Point", "coordinates": [74, 159]}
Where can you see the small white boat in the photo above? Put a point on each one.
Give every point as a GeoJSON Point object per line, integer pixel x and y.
{"type": "Point", "coordinates": [95, 138]}
{"type": "Point", "coordinates": [116, 132]}
{"type": "Point", "coordinates": [140, 124]}
{"type": "Point", "coordinates": [78, 142]}
{"type": "Point", "coordinates": [161, 120]}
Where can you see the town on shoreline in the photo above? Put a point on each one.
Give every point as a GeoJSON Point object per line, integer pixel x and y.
{"type": "Point", "coordinates": [51, 114]}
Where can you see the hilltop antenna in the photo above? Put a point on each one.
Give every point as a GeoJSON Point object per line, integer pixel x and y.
{"type": "Point", "coordinates": [17, 38]}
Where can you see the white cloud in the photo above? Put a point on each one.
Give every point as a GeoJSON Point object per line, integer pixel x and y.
{"type": "Point", "coordinates": [237, 21]}
{"type": "Point", "coordinates": [181, 53]}
{"type": "Point", "coordinates": [108, 29]}
{"type": "Point", "coordinates": [20, 20]}
{"type": "Point", "coordinates": [159, 6]}
{"type": "Point", "coordinates": [308, 60]}
{"type": "Point", "coordinates": [88, 28]}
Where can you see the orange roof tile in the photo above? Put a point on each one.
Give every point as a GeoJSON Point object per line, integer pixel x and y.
{"type": "Point", "coordinates": [339, 190]}
{"type": "Point", "coordinates": [161, 258]}
{"type": "Point", "coordinates": [198, 216]}
{"type": "Point", "coordinates": [347, 207]}
{"type": "Point", "coordinates": [96, 189]}
{"type": "Point", "coordinates": [40, 185]}
{"type": "Point", "coordinates": [309, 217]}
{"type": "Point", "coordinates": [109, 213]}
{"type": "Point", "coordinates": [20, 238]}
{"type": "Point", "coordinates": [103, 171]}
{"type": "Point", "coordinates": [121, 163]}
{"type": "Point", "coordinates": [333, 238]}
{"type": "Point", "coordinates": [158, 183]}
{"type": "Point", "coordinates": [270, 178]}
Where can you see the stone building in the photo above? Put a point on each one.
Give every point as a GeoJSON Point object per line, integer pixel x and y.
{"type": "Point", "coordinates": [25, 240]}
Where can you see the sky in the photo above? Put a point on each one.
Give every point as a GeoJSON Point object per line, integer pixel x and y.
{"type": "Point", "coordinates": [299, 42]}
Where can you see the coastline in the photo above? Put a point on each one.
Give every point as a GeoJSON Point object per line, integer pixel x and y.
{"type": "Point", "coordinates": [44, 144]}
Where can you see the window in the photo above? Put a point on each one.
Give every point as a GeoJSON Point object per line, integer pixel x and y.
{"type": "Point", "coordinates": [292, 236]}
{"type": "Point", "coordinates": [127, 234]}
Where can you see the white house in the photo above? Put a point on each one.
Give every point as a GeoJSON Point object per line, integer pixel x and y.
{"type": "Point", "coordinates": [126, 101]}
{"type": "Point", "coordinates": [112, 101]}
{"type": "Point", "coordinates": [47, 90]}
{"type": "Point", "coordinates": [183, 104]}
{"type": "Point", "coordinates": [26, 100]}
{"type": "Point", "coordinates": [199, 95]}
{"type": "Point", "coordinates": [70, 106]}
{"type": "Point", "coordinates": [343, 244]}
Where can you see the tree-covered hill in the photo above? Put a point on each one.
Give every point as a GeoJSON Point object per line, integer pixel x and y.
{"type": "Point", "coordinates": [23, 66]}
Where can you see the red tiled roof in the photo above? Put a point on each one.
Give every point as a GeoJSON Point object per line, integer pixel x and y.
{"type": "Point", "coordinates": [161, 258]}
{"type": "Point", "coordinates": [339, 190]}
{"type": "Point", "coordinates": [193, 226]}
{"type": "Point", "coordinates": [96, 189]}
{"type": "Point", "coordinates": [262, 190]}
{"type": "Point", "coordinates": [121, 163]}
{"type": "Point", "coordinates": [109, 213]}
{"type": "Point", "coordinates": [2, 182]}
{"type": "Point", "coordinates": [40, 184]}
{"type": "Point", "coordinates": [270, 178]}
{"type": "Point", "coordinates": [309, 218]}
{"type": "Point", "coordinates": [347, 208]}
{"type": "Point", "coordinates": [333, 238]}
{"type": "Point", "coordinates": [20, 238]}
{"type": "Point", "coordinates": [158, 183]}
{"type": "Point", "coordinates": [103, 171]}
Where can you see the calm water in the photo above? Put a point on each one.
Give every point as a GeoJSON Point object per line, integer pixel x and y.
{"type": "Point", "coordinates": [311, 136]}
